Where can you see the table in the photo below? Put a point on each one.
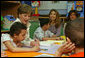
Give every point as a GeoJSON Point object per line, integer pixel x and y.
{"type": "Point", "coordinates": [26, 54]}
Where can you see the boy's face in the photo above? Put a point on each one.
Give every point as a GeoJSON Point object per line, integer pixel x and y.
{"type": "Point", "coordinates": [53, 15]}
{"type": "Point", "coordinates": [73, 16]}
{"type": "Point", "coordinates": [25, 17]}
{"type": "Point", "coordinates": [47, 26]}
{"type": "Point", "coordinates": [22, 35]}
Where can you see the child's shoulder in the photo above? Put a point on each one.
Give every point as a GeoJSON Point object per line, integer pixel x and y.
{"type": "Point", "coordinates": [5, 37]}
{"type": "Point", "coordinates": [38, 30]}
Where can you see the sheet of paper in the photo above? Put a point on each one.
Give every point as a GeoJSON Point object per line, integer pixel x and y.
{"type": "Point", "coordinates": [50, 42]}
{"type": "Point", "coordinates": [50, 49]}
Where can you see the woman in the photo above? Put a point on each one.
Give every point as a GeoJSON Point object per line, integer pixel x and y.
{"type": "Point", "coordinates": [24, 13]}
{"type": "Point", "coordinates": [72, 15]}
{"type": "Point", "coordinates": [55, 23]}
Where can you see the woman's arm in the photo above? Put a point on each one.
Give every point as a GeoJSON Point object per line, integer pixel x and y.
{"type": "Point", "coordinates": [11, 48]}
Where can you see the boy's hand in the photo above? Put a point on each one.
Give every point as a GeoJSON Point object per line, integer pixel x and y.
{"type": "Point", "coordinates": [37, 42]}
{"type": "Point", "coordinates": [65, 48]}
{"type": "Point", "coordinates": [32, 43]}
{"type": "Point", "coordinates": [54, 36]}
{"type": "Point", "coordinates": [19, 44]}
{"type": "Point", "coordinates": [36, 48]}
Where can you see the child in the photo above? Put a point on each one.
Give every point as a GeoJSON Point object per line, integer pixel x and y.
{"type": "Point", "coordinates": [42, 32]}
{"type": "Point", "coordinates": [13, 43]}
{"type": "Point", "coordinates": [75, 32]}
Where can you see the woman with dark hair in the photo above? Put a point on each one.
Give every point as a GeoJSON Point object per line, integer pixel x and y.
{"type": "Point", "coordinates": [55, 23]}
{"type": "Point", "coordinates": [72, 15]}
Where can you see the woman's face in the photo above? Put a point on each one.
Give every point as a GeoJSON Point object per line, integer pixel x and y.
{"type": "Point", "coordinates": [25, 18]}
{"type": "Point", "coordinates": [53, 15]}
{"type": "Point", "coordinates": [73, 16]}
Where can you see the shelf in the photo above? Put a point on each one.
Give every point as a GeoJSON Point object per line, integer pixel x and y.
{"type": "Point", "coordinates": [4, 31]}
{"type": "Point", "coordinates": [9, 8]}
{"type": "Point", "coordinates": [8, 4]}
{"type": "Point", "coordinates": [15, 2]}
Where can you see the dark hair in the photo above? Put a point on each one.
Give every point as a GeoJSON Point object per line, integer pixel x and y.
{"type": "Point", "coordinates": [72, 11]}
{"type": "Point", "coordinates": [44, 21]}
{"type": "Point", "coordinates": [75, 32]}
{"type": "Point", "coordinates": [57, 20]}
{"type": "Point", "coordinates": [16, 28]}
{"type": "Point", "coordinates": [24, 8]}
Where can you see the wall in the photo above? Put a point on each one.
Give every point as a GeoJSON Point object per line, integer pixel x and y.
{"type": "Point", "coordinates": [46, 6]}
{"type": "Point", "coordinates": [50, 5]}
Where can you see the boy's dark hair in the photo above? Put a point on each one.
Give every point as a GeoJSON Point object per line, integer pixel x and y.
{"type": "Point", "coordinates": [75, 32]}
{"type": "Point", "coordinates": [73, 11]}
{"type": "Point", "coordinates": [16, 28]}
{"type": "Point", "coordinates": [24, 8]}
{"type": "Point", "coordinates": [44, 21]}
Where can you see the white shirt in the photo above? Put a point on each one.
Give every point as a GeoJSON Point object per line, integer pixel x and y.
{"type": "Point", "coordinates": [27, 39]}
{"type": "Point", "coordinates": [39, 33]}
{"type": "Point", "coordinates": [6, 37]}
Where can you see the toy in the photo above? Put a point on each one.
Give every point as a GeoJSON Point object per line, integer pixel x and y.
{"type": "Point", "coordinates": [8, 21]}
{"type": "Point", "coordinates": [36, 4]}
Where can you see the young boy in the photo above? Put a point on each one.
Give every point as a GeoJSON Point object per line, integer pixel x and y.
{"type": "Point", "coordinates": [42, 32]}
{"type": "Point", "coordinates": [12, 41]}
{"type": "Point", "coordinates": [75, 32]}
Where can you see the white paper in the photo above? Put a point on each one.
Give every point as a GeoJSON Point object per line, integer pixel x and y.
{"type": "Point", "coordinates": [50, 49]}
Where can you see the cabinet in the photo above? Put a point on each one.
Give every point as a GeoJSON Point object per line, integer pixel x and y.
{"type": "Point", "coordinates": [9, 8]}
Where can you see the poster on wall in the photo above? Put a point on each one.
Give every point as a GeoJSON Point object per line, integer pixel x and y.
{"type": "Point", "coordinates": [35, 5]}
{"type": "Point", "coordinates": [79, 6]}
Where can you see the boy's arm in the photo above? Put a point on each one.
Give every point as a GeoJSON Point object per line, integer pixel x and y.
{"type": "Point", "coordinates": [52, 38]}
{"type": "Point", "coordinates": [38, 35]}
{"type": "Point", "coordinates": [11, 48]}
